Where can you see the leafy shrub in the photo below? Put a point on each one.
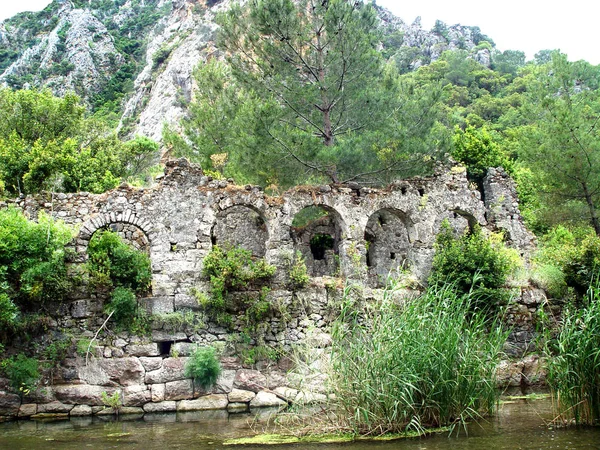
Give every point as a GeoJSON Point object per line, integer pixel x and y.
{"type": "Point", "coordinates": [234, 269]}
{"type": "Point", "coordinates": [428, 363]}
{"type": "Point", "coordinates": [472, 264]}
{"type": "Point", "coordinates": [57, 351]}
{"type": "Point", "coordinates": [114, 263]}
{"type": "Point", "coordinates": [574, 371]}
{"type": "Point", "coordinates": [32, 261]}
{"type": "Point", "coordinates": [204, 367]}
{"type": "Point", "coordinates": [22, 372]}
{"type": "Point", "coordinates": [583, 268]}
{"type": "Point", "coordinates": [9, 313]}
{"type": "Point", "coordinates": [123, 306]}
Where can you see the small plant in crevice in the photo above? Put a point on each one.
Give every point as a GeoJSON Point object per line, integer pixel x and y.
{"type": "Point", "coordinates": [297, 271]}
{"type": "Point", "coordinates": [126, 313]}
{"type": "Point", "coordinates": [204, 367]}
{"type": "Point", "coordinates": [113, 401]}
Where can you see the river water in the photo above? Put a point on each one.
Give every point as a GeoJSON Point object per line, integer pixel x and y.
{"type": "Point", "coordinates": [519, 424]}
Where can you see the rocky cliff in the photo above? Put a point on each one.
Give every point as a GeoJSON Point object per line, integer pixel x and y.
{"type": "Point", "coordinates": [132, 60]}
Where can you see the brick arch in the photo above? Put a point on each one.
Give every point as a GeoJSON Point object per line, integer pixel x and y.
{"type": "Point", "coordinates": [103, 220]}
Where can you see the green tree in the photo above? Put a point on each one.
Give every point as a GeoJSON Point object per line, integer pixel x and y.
{"type": "Point", "coordinates": [563, 149]}
{"type": "Point", "coordinates": [305, 95]}
{"type": "Point", "coordinates": [46, 142]}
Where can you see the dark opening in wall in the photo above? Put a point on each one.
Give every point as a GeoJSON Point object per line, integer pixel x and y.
{"type": "Point", "coordinates": [421, 192]}
{"type": "Point", "coordinates": [173, 246]}
{"type": "Point", "coordinates": [165, 348]}
{"type": "Point", "coordinates": [319, 244]}
{"type": "Point", "coordinates": [316, 231]}
{"type": "Point", "coordinates": [403, 190]}
{"type": "Point", "coordinates": [392, 255]}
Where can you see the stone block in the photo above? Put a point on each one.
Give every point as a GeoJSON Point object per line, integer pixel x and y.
{"type": "Point", "coordinates": [158, 392]}
{"type": "Point", "coordinates": [124, 410]}
{"type": "Point", "coordinates": [81, 410]}
{"type": "Point", "coordinates": [82, 394]}
{"type": "Point", "coordinates": [124, 371]}
{"type": "Point", "coordinates": [183, 348]}
{"type": "Point", "coordinates": [224, 383]}
{"type": "Point", "coordinates": [265, 399]}
{"type": "Point", "coordinates": [184, 301]}
{"type": "Point", "coordinates": [27, 410]}
{"type": "Point", "coordinates": [172, 369]}
{"type": "Point", "coordinates": [80, 309]}
{"type": "Point", "coordinates": [151, 363]}
{"type": "Point", "coordinates": [240, 396]}
{"type": "Point", "coordinates": [143, 350]}
{"type": "Point", "coordinates": [163, 336]}
{"type": "Point", "coordinates": [54, 407]}
{"type": "Point", "coordinates": [166, 406]}
{"type": "Point", "coordinates": [208, 402]}
{"type": "Point", "coordinates": [159, 305]}
{"type": "Point", "coordinates": [249, 380]}
{"type": "Point", "coordinates": [179, 390]}
{"type": "Point", "coordinates": [137, 395]}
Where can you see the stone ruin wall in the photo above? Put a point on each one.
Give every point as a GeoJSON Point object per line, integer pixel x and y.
{"type": "Point", "coordinates": [178, 221]}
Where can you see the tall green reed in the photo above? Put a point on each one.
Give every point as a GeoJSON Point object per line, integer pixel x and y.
{"type": "Point", "coordinates": [574, 364]}
{"type": "Point", "coordinates": [407, 366]}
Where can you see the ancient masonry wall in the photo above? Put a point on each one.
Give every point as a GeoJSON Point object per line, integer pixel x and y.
{"type": "Point", "coordinates": [368, 232]}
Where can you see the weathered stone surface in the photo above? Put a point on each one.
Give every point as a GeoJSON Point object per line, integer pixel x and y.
{"type": "Point", "coordinates": [179, 390]}
{"type": "Point", "coordinates": [165, 406]}
{"type": "Point", "coordinates": [534, 370]}
{"type": "Point", "coordinates": [208, 402]}
{"type": "Point", "coordinates": [266, 399]}
{"type": "Point", "coordinates": [531, 297]}
{"type": "Point", "coordinates": [240, 396]}
{"type": "Point", "coordinates": [54, 407]}
{"type": "Point", "coordinates": [183, 348]}
{"type": "Point", "coordinates": [9, 404]}
{"type": "Point", "coordinates": [287, 393]}
{"type": "Point", "coordinates": [27, 410]}
{"type": "Point", "coordinates": [137, 395]}
{"type": "Point", "coordinates": [82, 394]}
{"type": "Point", "coordinates": [159, 305]}
{"type": "Point", "coordinates": [81, 410]}
{"type": "Point", "coordinates": [164, 336]}
{"type": "Point", "coordinates": [224, 383]}
{"type": "Point", "coordinates": [142, 349]}
{"type": "Point", "coordinates": [123, 410]}
{"type": "Point", "coordinates": [306, 398]}
{"type": "Point", "coordinates": [50, 416]}
{"type": "Point", "coordinates": [125, 371]}
{"type": "Point", "coordinates": [151, 364]}
{"type": "Point", "coordinates": [172, 369]}
{"type": "Point", "coordinates": [509, 373]}
{"type": "Point", "coordinates": [249, 380]}
{"type": "Point", "coordinates": [158, 392]}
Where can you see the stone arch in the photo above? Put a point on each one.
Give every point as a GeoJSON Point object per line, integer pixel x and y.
{"type": "Point", "coordinates": [241, 225]}
{"type": "Point", "coordinates": [317, 233]}
{"type": "Point", "coordinates": [127, 224]}
{"type": "Point", "coordinates": [388, 236]}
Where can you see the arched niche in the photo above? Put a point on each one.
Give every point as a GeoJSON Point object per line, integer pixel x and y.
{"type": "Point", "coordinates": [387, 236]}
{"type": "Point", "coordinates": [241, 226]}
{"type": "Point", "coordinates": [131, 234]}
{"type": "Point", "coordinates": [316, 231]}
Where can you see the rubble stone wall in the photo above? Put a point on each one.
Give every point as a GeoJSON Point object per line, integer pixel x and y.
{"type": "Point", "coordinates": [179, 220]}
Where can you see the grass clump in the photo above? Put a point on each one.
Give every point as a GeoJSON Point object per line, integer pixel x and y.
{"type": "Point", "coordinates": [574, 371]}
{"type": "Point", "coordinates": [204, 367]}
{"type": "Point", "coordinates": [429, 363]}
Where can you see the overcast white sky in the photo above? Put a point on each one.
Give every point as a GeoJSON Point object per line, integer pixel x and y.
{"type": "Point", "coordinates": [528, 25]}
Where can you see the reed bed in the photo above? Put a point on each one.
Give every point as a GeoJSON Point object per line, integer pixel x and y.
{"type": "Point", "coordinates": [574, 367]}
{"type": "Point", "coordinates": [407, 367]}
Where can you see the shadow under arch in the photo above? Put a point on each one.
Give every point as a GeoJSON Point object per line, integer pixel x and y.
{"type": "Point", "coordinates": [241, 225]}
{"type": "Point", "coordinates": [317, 233]}
{"type": "Point", "coordinates": [388, 235]}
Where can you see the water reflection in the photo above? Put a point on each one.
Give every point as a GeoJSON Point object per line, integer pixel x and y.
{"type": "Point", "coordinates": [520, 424]}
